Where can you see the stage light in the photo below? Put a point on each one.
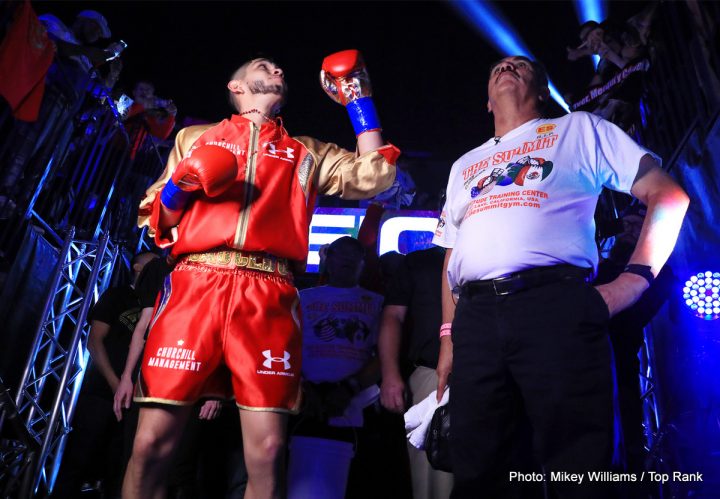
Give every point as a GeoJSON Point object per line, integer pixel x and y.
{"type": "Point", "coordinates": [590, 10]}
{"type": "Point", "coordinates": [700, 294]}
{"type": "Point", "coordinates": [497, 31]}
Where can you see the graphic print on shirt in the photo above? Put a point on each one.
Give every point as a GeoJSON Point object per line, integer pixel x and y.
{"type": "Point", "coordinates": [484, 180]}
{"type": "Point", "coordinates": [526, 171]}
{"type": "Point", "coordinates": [352, 329]}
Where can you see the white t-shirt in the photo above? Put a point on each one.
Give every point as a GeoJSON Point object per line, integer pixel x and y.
{"type": "Point", "coordinates": [528, 201]}
{"type": "Point", "coordinates": [340, 331]}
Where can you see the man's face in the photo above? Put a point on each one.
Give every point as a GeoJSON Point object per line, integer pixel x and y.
{"type": "Point", "coordinates": [593, 39]}
{"type": "Point", "coordinates": [143, 90]}
{"type": "Point", "coordinates": [265, 77]}
{"type": "Point", "coordinates": [344, 264]}
{"type": "Point", "coordinates": [88, 30]}
{"type": "Point", "coordinates": [512, 74]}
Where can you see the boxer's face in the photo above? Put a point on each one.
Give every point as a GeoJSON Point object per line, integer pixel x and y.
{"type": "Point", "coordinates": [265, 77]}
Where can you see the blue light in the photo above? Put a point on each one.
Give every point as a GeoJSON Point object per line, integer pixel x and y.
{"type": "Point", "coordinates": [497, 31]}
{"type": "Point", "coordinates": [703, 298]}
{"type": "Point", "coordinates": [590, 10]}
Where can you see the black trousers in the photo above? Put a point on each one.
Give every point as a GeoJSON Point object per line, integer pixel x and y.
{"type": "Point", "coordinates": [543, 354]}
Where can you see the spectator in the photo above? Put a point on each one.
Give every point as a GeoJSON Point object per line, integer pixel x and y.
{"type": "Point", "coordinates": [71, 75]}
{"type": "Point", "coordinates": [626, 336]}
{"type": "Point", "coordinates": [95, 430]}
{"type": "Point", "coordinates": [340, 328]}
{"type": "Point", "coordinates": [150, 113]}
{"type": "Point", "coordinates": [616, 48]}
{"type": "Point", "coordinates": [412, 304]}
{"type": "Point", "coordinates": [74, 44]}
{"type": "Point", "coordinates": [184, 478]}
{"type": "Point", "coordinates": [616, 87]}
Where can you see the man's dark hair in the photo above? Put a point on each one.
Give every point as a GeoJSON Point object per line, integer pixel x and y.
{"type": "Point", "coordinates": [586, 28]}
{"type": "Point", "coordinates": [137, 256]}
{"type": "Point", "coordinates": [346, 243]}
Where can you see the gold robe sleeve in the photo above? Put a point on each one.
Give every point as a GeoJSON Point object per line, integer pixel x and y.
{"type": "Point", "coordinates": [338, 172]}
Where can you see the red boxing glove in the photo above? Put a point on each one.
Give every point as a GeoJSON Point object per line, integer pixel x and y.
{"type": "Point", "coordinates": [210, 168]}
{"type": "Point", "coordinates": [345, 79]}
{"type": "Point", "coordinates": [344, 76]}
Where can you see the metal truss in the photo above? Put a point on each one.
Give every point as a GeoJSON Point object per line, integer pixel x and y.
{"type": "Point", "coordinates": [655, 428]}
{"type": "Point", "coordinates": [651, 411]}
{"type": "Point", "coordinates": [47, 394]}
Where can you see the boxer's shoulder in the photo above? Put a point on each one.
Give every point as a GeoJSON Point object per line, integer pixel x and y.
{"type": "Point", "coordinates": [316, 147]}
{"type": "Point", "coordinates": [187, 136]}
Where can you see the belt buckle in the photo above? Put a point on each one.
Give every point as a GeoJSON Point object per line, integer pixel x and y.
{"type": "Point", "coordinates": [500, 279]}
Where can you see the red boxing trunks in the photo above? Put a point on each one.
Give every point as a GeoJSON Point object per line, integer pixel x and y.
{"type": "Point", "coordinates": [220, 311]}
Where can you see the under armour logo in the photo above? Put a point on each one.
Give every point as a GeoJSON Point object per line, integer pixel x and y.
{"type": "Point", "coordinates": [269, 359]}
{"type": "Point", "coordinates": [289, 152]}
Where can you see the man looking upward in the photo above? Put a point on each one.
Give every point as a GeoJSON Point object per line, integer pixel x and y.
{"type": "Point", "coordinates": [528, 333]}
{"type": "Point", "coordinates": [234, 206]}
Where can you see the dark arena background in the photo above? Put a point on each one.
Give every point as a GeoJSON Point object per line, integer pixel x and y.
{"type": "Point", "coordinates": [74, 165]}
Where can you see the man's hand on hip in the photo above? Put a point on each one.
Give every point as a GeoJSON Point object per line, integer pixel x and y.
{"type": "Point", "coordinates": [623, 292]}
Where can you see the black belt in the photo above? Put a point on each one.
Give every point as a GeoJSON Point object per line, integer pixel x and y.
{"type": "Point", "coordinates": [521, 281]}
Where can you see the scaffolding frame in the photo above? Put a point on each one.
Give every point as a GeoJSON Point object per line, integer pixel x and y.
{"type": "Point", "coordinates": [47, 394]}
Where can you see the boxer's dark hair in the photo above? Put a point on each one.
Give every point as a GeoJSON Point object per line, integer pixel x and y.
{"type": "Point", "coordinates": [240, 72]}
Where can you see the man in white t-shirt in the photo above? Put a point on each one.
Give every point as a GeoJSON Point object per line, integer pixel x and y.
{"type": "Point", "coordinates": [528, 333]}
{"type": "Point", "coordinates": [339, 366]}
{"type": "Point", "coordinates": [340, 334]}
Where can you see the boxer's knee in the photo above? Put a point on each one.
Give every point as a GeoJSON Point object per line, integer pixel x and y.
{"type": "Point", "coordinates": [266, 452]}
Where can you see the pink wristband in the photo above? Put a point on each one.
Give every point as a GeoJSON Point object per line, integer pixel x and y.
{"type": "Point", "coordinates": [446, 329]}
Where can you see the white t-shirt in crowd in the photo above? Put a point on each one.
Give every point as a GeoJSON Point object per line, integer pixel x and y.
{"type": "Point", "coordinates": [340, 331]}
{"type": "Point", "coordinates": [528, 200]}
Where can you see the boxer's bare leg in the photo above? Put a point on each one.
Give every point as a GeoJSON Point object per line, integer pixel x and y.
{"type": "Point", "coordinates": [264, 436]}
{"type": "Point", "coordinates": [158, 433]}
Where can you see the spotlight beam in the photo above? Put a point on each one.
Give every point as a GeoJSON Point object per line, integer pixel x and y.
{"type": "Point", "coordinates": [590, 10]}
{"type": "Point", "coordinates": [498, 32]}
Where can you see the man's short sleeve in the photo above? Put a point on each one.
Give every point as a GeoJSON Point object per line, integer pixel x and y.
{"type": "Point", "coordinates": [151, 281]}
{"type": "Point", "coordinates": [617, 156]}
{"type": "Point", "coordinates": [446, 231]}
{"type": "Point", "coordinates": [105, 310]}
